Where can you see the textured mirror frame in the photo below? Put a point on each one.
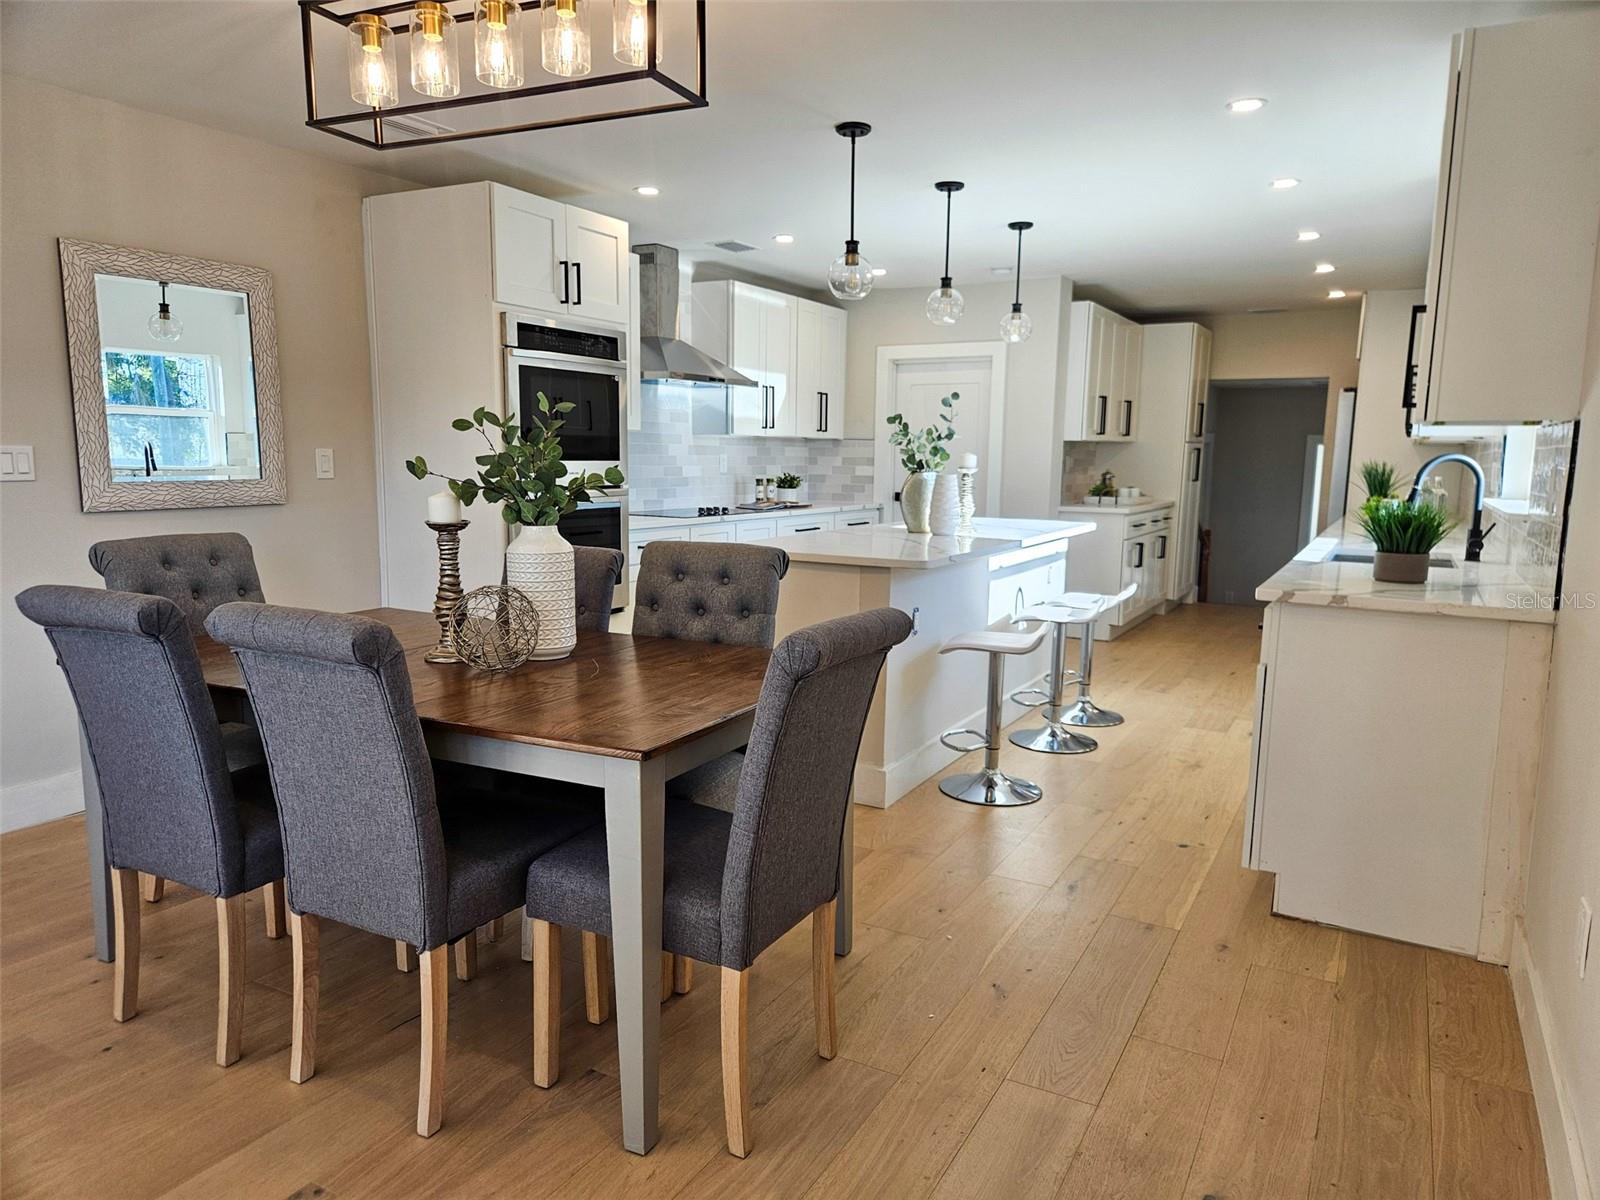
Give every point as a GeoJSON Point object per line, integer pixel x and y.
{"type": "Point", "coordinates": [80, 263]}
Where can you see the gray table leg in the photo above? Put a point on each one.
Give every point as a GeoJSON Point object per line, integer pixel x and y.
{"type": "Point", "coordinates": [94, 831]}
{"type": "Point", "coordinates": [844, 910]}
{"type": "Point", "coordinates": [635, 816]}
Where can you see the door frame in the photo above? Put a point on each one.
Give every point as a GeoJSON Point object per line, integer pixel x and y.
{"type": "Point", "coordinates": [885, 467]}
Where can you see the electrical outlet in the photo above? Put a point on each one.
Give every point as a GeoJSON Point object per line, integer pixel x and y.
{"type": "Point", "coordinates": [324, 464]}
{"type": "Point", "coordinates": [1585, 929]}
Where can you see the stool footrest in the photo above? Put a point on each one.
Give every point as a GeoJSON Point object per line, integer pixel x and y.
{"type": "Point", "coordinates": [981, 744]}
{"type": "Point", "coordinates": [1031, 697]}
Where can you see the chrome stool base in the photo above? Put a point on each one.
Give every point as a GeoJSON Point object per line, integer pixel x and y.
{"type": "Point", "coordinates": [990, 787]}
{"type": "Point", "coordinates": [1084, 712]}
{"type": "Point", "coordinates": [1053, 740]}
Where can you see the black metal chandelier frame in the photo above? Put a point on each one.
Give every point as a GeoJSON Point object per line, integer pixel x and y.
{"type": "Point", "coordinates": [364, 126]}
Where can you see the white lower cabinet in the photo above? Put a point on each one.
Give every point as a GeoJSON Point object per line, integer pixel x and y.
{"type": "Point", "coordinates": [754, 531]}
{"type": "Point", "coordinates": [711, 533]}
{"type": "Point", "coordinates": [1125, 548]}
{"type": "Point", "coordinates": [789, 525]}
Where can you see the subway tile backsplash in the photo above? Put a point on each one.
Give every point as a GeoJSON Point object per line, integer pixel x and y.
{"type": "Point", "coordinates": [1531, 541]}
{"type": "Point", "coordinates": [669, 466]}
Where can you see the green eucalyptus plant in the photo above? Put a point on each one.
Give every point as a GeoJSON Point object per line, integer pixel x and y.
{"type": "Point", "coordinates": [522, 473]}
{"type": "Point", "coordinates": [1404, 527]}
{"type": "Point", "coordinates": [925, 450]}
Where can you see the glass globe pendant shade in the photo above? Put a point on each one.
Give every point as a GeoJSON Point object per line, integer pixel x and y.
{"type": "Point", "coordinates": [850, 277]}
{"type": "Point", "coordinates": [162, 325]}
{"type": "Point", "coordinates": [1016, 325]}
{"type": "Point", "coordinates": [945, 304]}
{"type": "Point", "coordinates": [630, 33]}
{"type": "Point", "coordinates": [372, 72]}
{"type": "Point", "coordinates": [563, 38]}
{"type": "Point", "coordinates": [433, 51]}
{"type": "Point", "coordinates": [497, 43]}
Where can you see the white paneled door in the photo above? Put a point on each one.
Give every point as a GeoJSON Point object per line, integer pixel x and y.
{"type": "Point", "coordinates": [918, 388]}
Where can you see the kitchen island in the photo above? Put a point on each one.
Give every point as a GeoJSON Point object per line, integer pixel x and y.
{"type": "Point", "coordinates": [1396, 747]}
{"type": "Point", "coordinates": [949, 585]}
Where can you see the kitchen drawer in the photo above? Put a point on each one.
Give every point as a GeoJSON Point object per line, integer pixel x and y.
{"type": "Point", "coordinates": [639, 541]}
{"type": "Point", "coordinates": [754, 531]}
{"type": "Point", "coordinates": [788, 525]}
{"type": "Point", "coordinates": [720, 532]}
{"type": "Point", "coordinates": [854, 520]}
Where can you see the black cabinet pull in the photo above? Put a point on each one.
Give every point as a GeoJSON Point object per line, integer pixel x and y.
{"type": "Point", "coordinates": [808, 528]}
{"type": "Point", "coordinates": [1200, 419]}
{"type": "Point", "coordinates": [566, 282]}
{"type": "Point", "coordinates": [1194, 465]}
{"type": "Point", "coordinates": [1139, 562]}
{"type": "Point", "coordinates": [577, 272]}
{"type": "Point", "coordinates": [1161, 546]}
{"type": "Point", "coordinates": [822, 412]}
{"type": "Point", "coordinates": [1127, 418]}
{"type": "Point", "coordinates": [1408, 383]}
{"type": "Point", "coordinates": [1100, 415]}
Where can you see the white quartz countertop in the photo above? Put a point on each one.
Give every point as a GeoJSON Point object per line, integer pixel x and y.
{"type": "Point", "coordinates": [1132, 507]}
{"type": "Point", "coordinates": [892, 546]}
{"type": "Point", "coordinates": [1492, 590]}
{"type": "Point", "coordinates": [741, 515]}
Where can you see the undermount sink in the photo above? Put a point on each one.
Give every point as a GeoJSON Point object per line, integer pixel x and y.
{"type": "Point", "coordinates": [1434, 560]}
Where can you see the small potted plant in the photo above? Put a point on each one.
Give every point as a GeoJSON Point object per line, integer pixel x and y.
{"type": "Point", "coordinates": [789, 485]}
{"type": "Point", "coordinates": [1403, 535]}
{"type": "Point", "coordinates": [1379, 479]}
{"type": "Point", "coordinates": [923, 454]}
{"type": "Point", "coordinates": [1104, 492]}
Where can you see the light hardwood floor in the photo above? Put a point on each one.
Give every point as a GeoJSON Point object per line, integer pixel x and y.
{"type": "Point", "coordinates": [1084, 998]}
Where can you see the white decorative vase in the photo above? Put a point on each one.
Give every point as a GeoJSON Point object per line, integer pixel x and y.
{"type": "Point", "coordinates": [539, 565]}
{"type": "Point", "coordinates": [916, 496]}
{"type": "Point", "coordinates": [944, 509]}
{"type": "Point", "coordinates": [788, 495]}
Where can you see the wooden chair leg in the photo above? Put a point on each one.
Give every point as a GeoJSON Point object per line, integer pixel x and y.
{"type": "Point", "coordinates": [272, 901]}
{"type": "Point", "coordinates": [682, 974]}
{"type": "Point", "coordinates": [305, 933]}
{"type": "Point", "coordinates": [546, 1003]}
{"type": "Point", "coordinates": [666, 977]}
{"type": "Point", "coordinates": [735, 1059]}
{"type": "Point", "coordinates": [494, 930]}
{"type": "Point", "coordinates": [153, 887]}
{"type": "Point", "coordinates": [596, 978]}
{"type": "Point", "coordinates": [230, 978]}
{"type": "Point", "coordinates": [527, 936]}
{"type": "Point", "coordinates": [405, 958]}
{"type": "Point", "coordinates": [435, 1025]}
{"type": "Point", "coordinates": [467, 957]}
{"type": "Point", "coordinates": [125, 971]}
{"type": "Point", "coordinates": [822, 979]}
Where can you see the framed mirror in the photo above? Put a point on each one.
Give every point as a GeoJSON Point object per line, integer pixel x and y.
{"type": "Point", "coordinates": [174, 366]}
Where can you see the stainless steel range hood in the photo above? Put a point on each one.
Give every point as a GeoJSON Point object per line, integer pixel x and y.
{"type": "Point", "coordinates": [662, 353]}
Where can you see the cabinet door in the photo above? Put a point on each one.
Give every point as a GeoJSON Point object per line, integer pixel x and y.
{"type": "Point", "coordinates": [1160, 562]}
{"type": "Point", "coordinates": [597, 256]}
{"type": "Point", "coordinates": [1127, 416]}
{"type": "Point", "coordinates": [830, 371]}
{"type": "Point", "coordinates": [1103, 363]}
{"type": "Point", "coordinates": [1199, 382]}
{"type": "Point", "coordinates": [720, 532]}
{"type": "Point", "coordinates": [1135, 564]}
{"type": "Point", "coordinates": [819, 524]}
{"type": "Point", "coordinates": [778, 321]}
{"type": "Point", "coordinates": [750, 408]}
{"type": "Point", "coordinates": [807, 368]}
{"type": "Point", "coordinates": [530, 248]}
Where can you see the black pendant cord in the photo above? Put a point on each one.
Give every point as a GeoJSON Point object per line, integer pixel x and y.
{"type": "Point", "coordinates": [948, 200]}
{"type": "Point", "coordinates": [852, 187]}
{"type": "Point", "coordinates": [1021, 227]}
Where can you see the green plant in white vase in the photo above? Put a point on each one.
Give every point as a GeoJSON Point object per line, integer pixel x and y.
{"type": "Point", "coordinates": [789, 485]}
{"type": "Point", "coordinates": [923, 453]}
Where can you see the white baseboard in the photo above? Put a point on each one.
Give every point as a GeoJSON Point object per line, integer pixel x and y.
{"type": "Point", "coordinates": [35, 801]}
{"type": "Point", "coordinates": [1558, 1124]}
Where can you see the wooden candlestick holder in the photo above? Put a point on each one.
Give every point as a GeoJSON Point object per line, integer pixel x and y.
{"type": "Point", "coordinates": [444, 600]}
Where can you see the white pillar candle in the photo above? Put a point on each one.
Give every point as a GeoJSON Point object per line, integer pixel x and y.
{"type": "Point", "coordinates": [969, 462]}
{"type": "Point", "coordinates": [443, 508]}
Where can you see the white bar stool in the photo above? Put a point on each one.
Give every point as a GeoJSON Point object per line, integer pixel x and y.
{"type": "Point", "coordinates": [990, 785]}
{"type": "Point", "coordinates": [1053, 737]}
{"type": "Point", "coordinates": [1084, 712]}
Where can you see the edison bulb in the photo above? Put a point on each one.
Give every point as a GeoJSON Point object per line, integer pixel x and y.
{"type": "Point", "coordinates": [372, 73]}
{"type": "Point", "coordinates": [1016, 325]}
{"type": "Point", "coordinates": [945, 304]}
{"type": "Point", "coordinates": [497, 43]}
{"type": "Point", "coordinates": [433, 50]}
{"type": "Point", "coordinates": [564, 42]}
{"type": "Point", "coordinates": [850, 277]}
{"type": "Point", "coordinates": [630, 33]}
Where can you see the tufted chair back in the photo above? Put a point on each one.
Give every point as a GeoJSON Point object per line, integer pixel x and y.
{"type": "Point", "coordinates": [598, 572]}
{"type": "Point", "coordinates": [131, 665]}
{"type": "Point", "coordinates": [196, 571]}
{"type": "Point", "coordinates": [709, 592]}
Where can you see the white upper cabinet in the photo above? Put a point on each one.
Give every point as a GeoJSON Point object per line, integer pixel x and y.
{"type": "Point", "coordinates": [819, 370]}
{"type": "Point", "coordinates": [1101, 394]}
{"type": "Point", "coordinates": [553, 258]}
{"type": "Point", "coordinates": [1511, 265]}
{"type": "Point", "coordinates": [1199, 384]}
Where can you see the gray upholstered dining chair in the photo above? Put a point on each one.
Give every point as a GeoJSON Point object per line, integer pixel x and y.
{"type": "Point", "coordinates": [704, 592]}
{"type": "Point", "coordinates": [598, 572]}
{"type": "Point", "coordinates": [735, 883]}
{"type": "Point", "coordinates": [197, 572]}
{"type": "Point", "coordinates": [370, 838]}
{"type": "Point", "coordinates": [172, 807]}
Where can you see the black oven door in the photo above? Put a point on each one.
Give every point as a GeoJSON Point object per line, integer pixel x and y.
{"type": "Point", "coordinates": [592, 432]}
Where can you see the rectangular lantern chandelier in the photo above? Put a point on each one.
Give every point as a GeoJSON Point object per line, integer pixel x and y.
{"type": "Point", "coordinates": [428, 71]}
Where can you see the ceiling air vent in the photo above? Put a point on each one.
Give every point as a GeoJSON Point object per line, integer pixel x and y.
{"type": "Point", "coordinates": [414, 126]}
{"type": "Point", "coordinates": [733, 247]}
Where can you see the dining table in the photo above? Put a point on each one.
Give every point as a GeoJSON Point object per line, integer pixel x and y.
{"type": "Point", "coordinates": [620, 714]}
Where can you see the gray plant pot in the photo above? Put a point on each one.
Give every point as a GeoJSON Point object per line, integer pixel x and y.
{"type": "Point", "coordinates": [1399, 568]}
{"type": "Point", "coordinates": [916, 498]}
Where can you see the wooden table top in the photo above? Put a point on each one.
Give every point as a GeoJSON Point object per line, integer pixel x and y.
{"type": "Point", "coordinates": [620, 696]}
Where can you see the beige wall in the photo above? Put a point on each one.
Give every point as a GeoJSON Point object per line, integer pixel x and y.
{"type": "Point", "coordinates": [1031, 484]}
{"type": "Point", "coordinates": [79, 167]}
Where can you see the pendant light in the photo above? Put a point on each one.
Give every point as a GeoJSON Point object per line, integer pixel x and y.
{"type": "Point", "coordinates": [163, 326]}
{"type": "Point", "coordinates": [630, 33]}
{"type": "Point", "coordinates": [497, 43]}
{"type": "Point", "coordinates": [945, 304]}
{"type": "Point", "coordinates": [433, 51]}
{"type": "Point", "coordinates": [563, 38]}
{"type": "Point", "coordinates": [1017, 325]}
{"type": "Point", "coordinates": [850, 276]}
{"type": "Point", "coordinates": [372, 76]}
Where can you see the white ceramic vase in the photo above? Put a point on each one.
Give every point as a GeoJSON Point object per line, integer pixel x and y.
{"type": "Point", "coordinates": [944, 509]}
{"type": "Point", "coordinates": [916, 496]}
{"type": "Point", "coordinates": [539, 564]}
{"type": "Point", "coordinates": [788, 495]}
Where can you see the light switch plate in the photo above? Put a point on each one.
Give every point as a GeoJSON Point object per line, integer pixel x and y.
{"type": "Point", "coordinates": [324, 464]}
{"type": "Point", "coordinates": [16, 464]}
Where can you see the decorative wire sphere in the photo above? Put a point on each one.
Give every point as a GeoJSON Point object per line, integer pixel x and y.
{"type": "Point", "coordinates": [496, 627]}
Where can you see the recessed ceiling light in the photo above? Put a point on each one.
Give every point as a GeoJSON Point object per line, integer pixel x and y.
{"type": "Point", "coordinates": [1246, 104]}
{"type": "Point", "coordinates": [647, 190]}
{"type": "Point", "coordinates": [880, 272]}
{"type": "Point", "coordinates": [783, 239]}
{"type": "Point", "coordinates": [1000, 272]}
{"type": "Point", "coordinates": [1284, 184]}
{"type": "Point", "coordinates": [1307, 235]}
{"type": "Point", "coordinates": [1335, 294]}
{"type": "Point", "coordinates": [1323, 269]}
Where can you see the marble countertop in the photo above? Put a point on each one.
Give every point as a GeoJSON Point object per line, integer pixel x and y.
{"type": "Point", "coordinates": [892, 546]}
{"type": "Point", "coordinates": [739, 515]}
{"type": "Point", "coordinates": [1486, 590]}
{"type": "Point", "coordinates": [1146, 504]}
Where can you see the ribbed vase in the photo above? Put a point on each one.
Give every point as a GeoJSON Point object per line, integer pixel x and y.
{"type": "Point", "coordinates": [944, 510]}
{"type": "Point", "coordinates": [539, 565]}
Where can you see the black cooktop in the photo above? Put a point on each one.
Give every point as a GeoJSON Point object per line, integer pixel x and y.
{"type": "Point", "coordinates": [684, 514]}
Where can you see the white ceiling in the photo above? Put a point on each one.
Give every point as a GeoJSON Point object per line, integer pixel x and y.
{"type": "Point", "coordinates": [1101, 122]}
